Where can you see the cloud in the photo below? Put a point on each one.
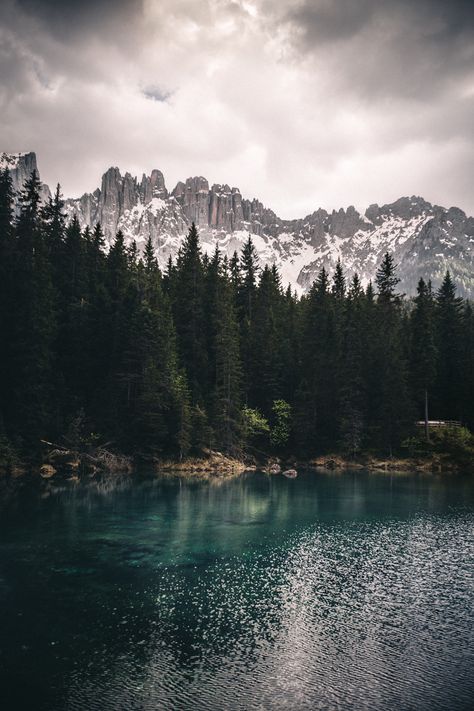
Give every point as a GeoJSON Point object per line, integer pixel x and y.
{"type": "Point", "coordinates": [302, 104]}
{"type": "Point", "coordinates": [68, 18]}
{"type": "Point", "coordinates": [155, 94]}
{"type": "Point", "coordinates": [391, 48]}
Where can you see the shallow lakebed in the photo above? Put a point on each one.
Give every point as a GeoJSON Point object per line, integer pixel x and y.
{"type": "Point", "coordinates": [330, 591]}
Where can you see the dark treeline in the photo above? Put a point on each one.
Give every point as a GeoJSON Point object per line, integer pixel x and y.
{"type": "Point", "coordinates": [101, 346]}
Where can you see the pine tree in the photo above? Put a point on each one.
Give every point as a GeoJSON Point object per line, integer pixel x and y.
{"type": "Point", "coordinates": [339, 282]}
{"type": "Point", "coordinates": [355, 290]}
{"type": "Point", "coordinates": [316, 409]}
{"type": "Point", "coordinates": [391, 413]}
{"type": "Point", "coordinates": [187, 298]}
{"type": "Point", "coordinates": [122, 305]}
{"type": "Point", "coordinates": [34, 329]}
{"type": "Point", "coordinates": [235, 275]}
{"type": "Point", "coordinates": [448, 320]}
{"type": "Point", "coordinates": [289, 346]}
{"type": "Point", "coordinates": [386, 279]}
{"type": "Point", "coordinates": [54, 221]}
{"type": "Point", "coordinates": [149, 258]}
{"type": "Point", "coordinates": [352, 394]}
{"type": "Point", "coordinates": [6, 206]}
{"type": "Point", "coordinates": [423, 350]}
{"type": "Point", "coordinates": [226, 400]}
{"type": "Point", "coordinates": [96, 347]}
{"type": "Point", "coordinates": [249, 269]}
{"type": "Point", "coordinates": [73, 319]}
{"type": "Point", "coordinates": [265, 341]}
{"type": "Point", "coordinates": [467, 366]}
{"type": "Point", "coordinates": [7, 301]}
{"type": "Point", "coordinates": [155, 411]}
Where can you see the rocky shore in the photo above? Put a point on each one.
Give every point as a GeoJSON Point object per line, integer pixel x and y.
{"type": "Point", "coordinates": [71, 464]}
{"type": "Point", "coordinates": [435, 464]}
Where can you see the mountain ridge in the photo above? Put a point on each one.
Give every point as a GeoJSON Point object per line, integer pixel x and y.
{"type": "Point", "coordinates": [425, 239]}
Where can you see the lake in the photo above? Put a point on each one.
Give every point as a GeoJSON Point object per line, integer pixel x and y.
{"type": "Point", "coordinates": [329, 591]}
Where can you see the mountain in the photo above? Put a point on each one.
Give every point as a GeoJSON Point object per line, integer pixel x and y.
{"type": "Point", "coordinates": [21, 165]}
{"type": "Point", "coordinates": [425, 239]}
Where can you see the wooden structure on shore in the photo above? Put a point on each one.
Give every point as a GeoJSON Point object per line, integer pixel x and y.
{"type": "Point", "coordinates": [438, 424]}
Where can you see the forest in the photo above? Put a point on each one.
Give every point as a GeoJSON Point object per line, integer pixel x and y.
{"type": "Point", "coordinates": [99, 345]}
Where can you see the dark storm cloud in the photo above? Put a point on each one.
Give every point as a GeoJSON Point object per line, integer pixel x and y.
{"type": "Point", "coordinates": [327, 20]}
{"type": "Point", "coordinates": [303, 103]}
{"type": "Point", "coordinates": [391, 47]}
{"type": "Point", "coordinates": [73, 17]}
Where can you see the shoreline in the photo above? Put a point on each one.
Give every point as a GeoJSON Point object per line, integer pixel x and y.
{"type": "Point", "coordinates": [430, 465]}
{"type": "Point", "coordinates": [214, 465]}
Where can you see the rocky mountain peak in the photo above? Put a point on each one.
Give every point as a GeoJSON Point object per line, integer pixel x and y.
{"type": "Point", "coordinates": [425, 239]}
{"type": "Point", "coordinates": [193, 196]}
{"type": "Point", "coordinates": [21, 165]}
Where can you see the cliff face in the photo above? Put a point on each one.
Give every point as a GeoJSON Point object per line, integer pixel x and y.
{"type": "Point", "coordinates": [425, 239]}
{"type": "Point", "coordinates": [21, 165]}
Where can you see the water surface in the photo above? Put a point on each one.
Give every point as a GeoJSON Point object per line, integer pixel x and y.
{"type": "Point", "coordinates": [336, 591]}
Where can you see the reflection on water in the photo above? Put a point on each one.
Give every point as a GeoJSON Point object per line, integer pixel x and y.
{"type": "Point", "coordinates": [326, 592]}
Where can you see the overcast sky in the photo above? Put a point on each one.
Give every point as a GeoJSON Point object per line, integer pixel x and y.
{"type": "Point", "coordinates": [302, 103]}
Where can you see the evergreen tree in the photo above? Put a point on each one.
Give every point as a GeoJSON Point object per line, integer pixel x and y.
{"type": "Point", "coordinates": [7, 304]}
{"type": "Point", "coordinates": [235, 275]}
{"type": "Point", "coordinates": [33, 333]}
{"type": "Point", "coordinates": [54, 225]}
{"type": "Point", "coordinates": [467, 366]}
{"type": "Point", "coordinates": [158, 401]}
{"type": "Point", "coordinates": [149, 259]}
{"type": "Point", "coordinates": [226, 400]}
{"type": "Point", "coordinates": [289, 346]}
{"type": "Point", "coordinates": [355, 290]}
{"type": "Point", "coordinates": [96, 347]}
{"type": "Point", "coordinates": [265, 341]}
{"type": "Point", "coordinates": [449, 326]}
{"type": "Point", "coordinates": [73, 319]}
{"type": "Point", "coordinates": [249, 269]}
{"type": "Point", "coordinates": [391, 413]}
{"type": "Point", "coordinates": [339, 282]}
{"type": "Point", "coordinates": [352, 391]}
{"type": "Point", "coordinates": [187, 298]}
{"type": "Point", "coordinates": [387, 279]}
{"type": "Point", "coordinates": [316, 410]}
{"type": "Point", "coordinates": [423, 350]}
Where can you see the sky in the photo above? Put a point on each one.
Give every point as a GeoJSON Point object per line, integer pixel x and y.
{"type": "Point", "coordinates": [301, 103]}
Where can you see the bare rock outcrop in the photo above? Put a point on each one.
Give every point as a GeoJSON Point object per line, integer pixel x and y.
{"type": "Point", "coordinates": [425, 239]}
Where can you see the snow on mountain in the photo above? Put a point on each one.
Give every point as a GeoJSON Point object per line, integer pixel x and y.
{"type": "Point", "coordinates": [425, 239]}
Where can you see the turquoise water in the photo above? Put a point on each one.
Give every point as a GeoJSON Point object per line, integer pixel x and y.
{"type": "Point", "coordinates": [337, 591]}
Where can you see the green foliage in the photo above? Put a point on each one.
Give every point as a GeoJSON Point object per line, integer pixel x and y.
{"type": "Point", "coordinates": [213, 353]}
{"type": "Point", "coordinates": [454, 440]}
{"type": "Point", "coordinates": [281, 427]}
{"type": "Point", "coordinates": [457, 443]}
{"type": "Point", "coordinates": [255, 424]}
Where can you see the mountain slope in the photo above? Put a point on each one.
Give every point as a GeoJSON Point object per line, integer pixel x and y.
{"type": "Point", "coordinates": [425, 239]}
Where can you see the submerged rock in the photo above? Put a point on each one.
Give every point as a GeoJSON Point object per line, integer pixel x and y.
{"type": "Point", "coordinates": [47, 471]}
{"type": "Point", "coordinates": [274, 469]}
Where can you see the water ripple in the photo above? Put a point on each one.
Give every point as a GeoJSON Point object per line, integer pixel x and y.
{"type": "Point", "coordinates": [342, 612]}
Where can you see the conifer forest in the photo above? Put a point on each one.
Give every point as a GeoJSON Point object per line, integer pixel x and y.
{"type": "Point", "coordinates": [100, 345]}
